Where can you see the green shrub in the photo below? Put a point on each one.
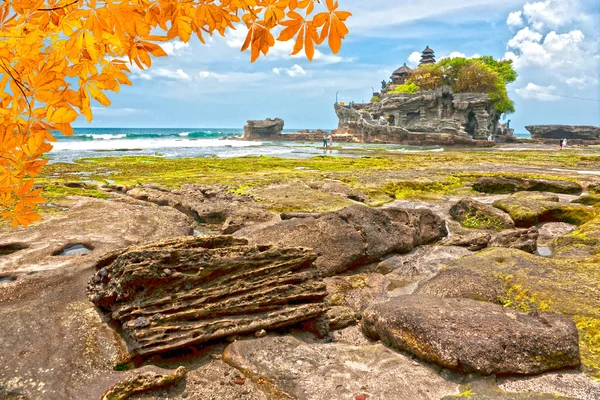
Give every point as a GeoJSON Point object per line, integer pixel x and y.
{"type": "Point", "coordinates": [408, 87]}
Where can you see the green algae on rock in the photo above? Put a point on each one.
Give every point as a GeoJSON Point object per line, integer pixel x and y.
{"type": "Point", "coordinates": [529, 211]}
{"type": "Point", "coordinates": [473, 214]}
{"type": "Point", "coordinates": [509, 185]}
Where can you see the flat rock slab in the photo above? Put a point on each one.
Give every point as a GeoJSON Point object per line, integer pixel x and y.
{"type": "Point", "coordinates": [101, 225]}
{"type": "Point", "coordinates": [180, 292]}
{"type": "Point", "coordinates": [510, 185]}
{"type": "Point", "coordinates": [353, 236]}
{"type": "Point", "coordinates": [291, 369]}
{"type": "Point", "coordinates": [474, 336]}
{"type": "Point", "coordinates": [473, 214]}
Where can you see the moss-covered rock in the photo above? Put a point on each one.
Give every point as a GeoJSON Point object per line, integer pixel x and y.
{"type": "Point", "coordinates": [594, 188]}
{"type": "Point", "coordinates": [510, 185]}
{"type": "Point", "coordinates": [473, 214]}
{"type": "Point", "coordinates": [588, 199]}
{"type": "Point", "coordinates": [583, 242]}
{"type": "Point", "coordinates": [529, 211]}
{"type": "Point", "coordinates": [532, 283]}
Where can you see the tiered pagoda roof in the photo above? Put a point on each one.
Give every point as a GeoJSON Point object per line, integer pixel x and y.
{"type": "Point", "coordinates": [428, 56]}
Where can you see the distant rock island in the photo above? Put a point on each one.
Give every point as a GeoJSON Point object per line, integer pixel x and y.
{"type": "Point", "coordinates": [571, 132]}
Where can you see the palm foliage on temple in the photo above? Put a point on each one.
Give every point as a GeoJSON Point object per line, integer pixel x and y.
{"type": "Point", "coordinates": [463, 75]}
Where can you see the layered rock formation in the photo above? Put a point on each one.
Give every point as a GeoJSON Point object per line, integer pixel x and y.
{"type": "Point", "coordinates": [564, 132]}
{"type": "Point", "coordinates": [180, 292]}
{"type": "Point", "coordinates": [263, 129]}
{"type": "Point", "coordinates": [432, 117]}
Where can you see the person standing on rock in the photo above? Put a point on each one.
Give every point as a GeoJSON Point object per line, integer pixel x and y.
{"type": "Point", "coordinates": [564, 144]}
{"type": "Point", "coordinates": [325, 140]}
{"type": "Point", "coordinates": [560, 144]}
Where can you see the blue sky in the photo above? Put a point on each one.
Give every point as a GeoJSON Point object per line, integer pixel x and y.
{"type": "Point", "coordinates": [554, 44]}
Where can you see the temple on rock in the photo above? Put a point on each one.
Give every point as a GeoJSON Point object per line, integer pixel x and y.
{"type": "Point", "coordinates": [437, 116]}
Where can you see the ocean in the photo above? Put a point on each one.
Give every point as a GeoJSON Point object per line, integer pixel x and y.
{"type": "Point", "coordinates": [180, 143]}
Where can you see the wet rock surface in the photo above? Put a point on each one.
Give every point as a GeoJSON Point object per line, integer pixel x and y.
{"type": "Point", "coordinates": [474, 336]}
{"type": "Point", "coordinates": [180, 292]}
{"type": "Point", "coordinates": [291, 369]}
{"type": "Point", "coordinates": [510, 185]}
{"type": "Point", "coordinates": [353, 236]}
{"type": "Point", "coordinates": [473, 214]}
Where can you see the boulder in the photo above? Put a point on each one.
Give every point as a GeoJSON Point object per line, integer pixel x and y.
{"type": "Point", "coordinates": [176, 293]}
{"type": "Point", "coordinates": [292, 369]}
{"type": "Point", "coordinates": [510, 185]}
{"type": "Point", "coordinates": [527, 212]}
{"type": "Point", "coordinates": [340, 317]}
{"type": "Point", "coordinates": [569, 286]}
{"type": "Point", "coordinates": [263, 129]}
{"type": "Point", "coordinates": [356, 291]}
{"type": "Point", "coordinates": [473, 214]}
{"type": "Point", "coordinates": [474, 336]}
{"type": "Point", "coordinates": [354, 236]}
{"type": "Point", "coordinates": [564, 132]}
{"type": "Point", "coordinates": [473, 242]}
{"type": "Point", "coordinates": [581, 243]}
{"type": "Point", "coordinates": [522, 239]}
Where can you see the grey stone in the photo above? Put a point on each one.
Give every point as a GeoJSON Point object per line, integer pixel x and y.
{"type": "Point", "coordinates": [564, 132]}
{"type": "Point", "coordinates": [522, 239]}
{"type": "Point", "coordinates": [263, 129]}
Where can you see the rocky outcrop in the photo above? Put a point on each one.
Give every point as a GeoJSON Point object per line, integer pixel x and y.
{"type": "Point", "coordinates": [522, 239]}
{"type": "Point", "coordinates": [263, 129]}
{"type": "Point", "coordinates": [564, 132]}
{"type": "Point", "coordinates": [474, 336]}
{"type": "Point", "coordinates": [353, 236]}
{"type": "Point", "coordinates": [594, 188]}
{"type": "Point", "coordinates": [473, 214]}
{"type": "Point", "coordinates": [510, 185]}
{"type": "Point", "coordinates": [526, 211]}
{"type": "Point", "coordinates": [292, 369]}
{"type": "Point", "coordinates": [179, 292]}
{"type": "Point", "coordinates": [144, 382]}
{"type": "Point", "coordinates": [212, 206]}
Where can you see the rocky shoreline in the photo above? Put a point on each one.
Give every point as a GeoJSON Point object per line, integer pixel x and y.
{"type": "Point", "coordinates": [263, 278]}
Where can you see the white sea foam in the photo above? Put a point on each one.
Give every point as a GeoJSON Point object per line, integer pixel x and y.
{"type": "Point", "coordinates": [184, 134]}
{"type": "Point", "coordinates": [146, 144]}
{"type": "Point", "coordinates": [107, 136]}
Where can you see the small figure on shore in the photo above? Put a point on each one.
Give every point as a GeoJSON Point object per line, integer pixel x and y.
{"type": "Point", "coordinates": [489, 138]}
{"type": "Point", "coordinates": [564, 144]}
{"type": "Point", "coordinates": [330, 140]}
{"type": "Point", "coordinates": [325, 143]}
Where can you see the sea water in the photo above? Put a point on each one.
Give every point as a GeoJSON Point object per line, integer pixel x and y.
{"type": "Point", "coordinates": [179, 143]}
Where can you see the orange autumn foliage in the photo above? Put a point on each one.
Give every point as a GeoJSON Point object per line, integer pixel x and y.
{"type": "Point", "coordinates": [56, 56]}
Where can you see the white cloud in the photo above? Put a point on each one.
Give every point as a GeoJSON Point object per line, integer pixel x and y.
{"type": "Point", "coordinates": [117, 112]}
{"type": "Point", "coordinates": [523, 36]}
{"type": "Point", "coordinates": [177, 75]}
{"type": "Point", "coordinates": [536, 92]}
{"type": "Point", "coordinates": [551, 14]}
{"type": "Point", "coordinates": [581, 82]}
{"type": "Point", "coordinates": [176, 48]}
{"type": "Point", "coordinates": [233, 78]}
{"type": "Point", "coordinates": [515, 19]}
{"type": "Point", "coordinates": [281, 50]}
{"type": "Point", "coordinates": [457, 54]}
{"type": "Point", "coordinates": [277, 71]}
{"type": "Point", "coordinates": [296, 70]}
{"type": "Point", "coordinates": [414, 59]}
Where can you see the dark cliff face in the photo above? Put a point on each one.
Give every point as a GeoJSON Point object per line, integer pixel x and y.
{"type": "Point", "coordinates": [564, 132]}
{"type": "Point", "coordinates": [263, 129]}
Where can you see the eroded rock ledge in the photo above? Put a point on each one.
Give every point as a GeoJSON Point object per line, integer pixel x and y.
{"type": "Point", "coordinates": [175, 293]}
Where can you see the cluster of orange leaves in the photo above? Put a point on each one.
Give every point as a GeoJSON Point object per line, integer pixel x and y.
{"type": "Point", "coordinates": [58, 55]}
